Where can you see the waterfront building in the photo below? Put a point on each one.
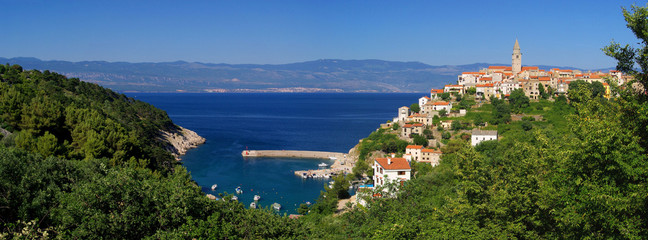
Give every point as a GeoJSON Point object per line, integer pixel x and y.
{"type": "Point", "coordinates": [403, 113]}
{"type": "Point", "coordinates": [479, 136]}
{"type": "Point", "coordinates": [391, 169]}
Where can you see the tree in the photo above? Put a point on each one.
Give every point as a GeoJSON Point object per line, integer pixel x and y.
{"type": "Point", "coordinates": [442, 112]}
{"type": "Point", "coordinates": [456, 125]}
{"type": "Point", "coordinates": [541, 91]}
{"type": "Point", "coordinates": [501, 113]}
{"type": "Point", "coordinates": [471, 90]}
{"type": "Point", "coordinates": [395, 126]}
{"type": "Point", "coordinates": [479, 120]}
{"type": "Point", "coordinates": [445, 96]}
{"type": "Point", "coordinates": [428, 133]}
{"type": "Point", "coordinates": [420, 140]}
{"type": "Point", "coordinates": [518, 100]}
{"type": "Point", "coordinates": [415, 107]}
{"type": "Point", "coordinates": [458, 98]}
{"type": "Point", "coordinates": [445, 135]}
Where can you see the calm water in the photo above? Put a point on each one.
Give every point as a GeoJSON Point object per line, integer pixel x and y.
{"type": "Point", "coordinates": [269, 121]}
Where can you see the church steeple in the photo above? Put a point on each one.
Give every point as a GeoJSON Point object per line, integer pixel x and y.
{"type": "Point", "coordinates": [516, 58]}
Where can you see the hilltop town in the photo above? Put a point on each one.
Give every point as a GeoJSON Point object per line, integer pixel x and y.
{"type": "Point", "coordinates": [428, 125]}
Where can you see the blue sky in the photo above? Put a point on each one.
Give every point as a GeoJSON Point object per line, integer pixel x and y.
{"type": "Point", "coordinates": [562, 33]}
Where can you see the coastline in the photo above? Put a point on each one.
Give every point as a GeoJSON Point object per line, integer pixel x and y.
{"type": "Point", "coordinates": [178, 142]}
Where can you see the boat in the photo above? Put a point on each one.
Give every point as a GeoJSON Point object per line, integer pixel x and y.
{"type": "Point", "coordinates": [304, 175]}
{"type": "Point", "coordinates": [276, 206]}
{"type": "Point", "coordinates": [239, 190]}
{"type": "Point", "coordinates": [257, 197]}
{"type": "Point", "coordinates": [308, 203]}
{"type": "Point", "coordinates": [213, 187]}
{"type": "Point", "coordinates": [322, 165]}
{"type": "Point", "coordinates": [253, 205]}
{"type": "Point", "coordinates": [333, 158]}
{"type": "Point", "coordinates": [234, 198]}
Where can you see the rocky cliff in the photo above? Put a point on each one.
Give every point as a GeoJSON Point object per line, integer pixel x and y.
{"type": "Point", "coordinates": [180, 141]}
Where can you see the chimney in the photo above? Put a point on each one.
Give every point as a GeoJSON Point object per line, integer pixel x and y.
{"type": "Point", "coordinates": [388, 161]}
{"type": "Point", "coordinates": [393, 155]}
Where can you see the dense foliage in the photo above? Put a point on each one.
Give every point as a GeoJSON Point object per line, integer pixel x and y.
{"type": "Point", "coordinates": [580, 172]}
{"type": "Point", "coordinates": [80, 161]}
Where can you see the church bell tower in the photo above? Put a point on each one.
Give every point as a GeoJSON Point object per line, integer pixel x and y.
{"type": "Point", "coordinates": [517, 58]}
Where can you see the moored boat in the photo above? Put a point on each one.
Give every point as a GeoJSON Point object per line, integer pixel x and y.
{"type": "Point", "coordinates": [257, 197]}
{"type": "Point", "coordinates": [239, 190]}
{"type": "Point", "coordinates": [213, 187]}
{"type": "Point", "coordinates": [276, 206]}
{"type": "Point", "coordinates": [253, 205]}
{"type": "Point", "coordinates": [234, 198]}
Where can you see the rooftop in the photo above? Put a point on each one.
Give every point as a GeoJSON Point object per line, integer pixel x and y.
{"type": "Point", "coordinates": [396, 163]}
{"type": "Point", "coordinates": [483, 132]}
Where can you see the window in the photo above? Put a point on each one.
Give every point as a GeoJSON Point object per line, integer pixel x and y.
{"type": "Point", "coordinates": [401, 172]}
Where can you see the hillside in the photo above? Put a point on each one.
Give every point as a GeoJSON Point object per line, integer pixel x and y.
{"type": "Point", "coordinates": [327, 75]}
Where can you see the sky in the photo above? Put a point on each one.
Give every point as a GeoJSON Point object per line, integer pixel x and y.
{"type": "Point", "coordinates": [558, 33]}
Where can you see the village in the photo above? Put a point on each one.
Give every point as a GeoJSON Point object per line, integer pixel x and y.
{"type": "Point", "coordinates": [422, 123]}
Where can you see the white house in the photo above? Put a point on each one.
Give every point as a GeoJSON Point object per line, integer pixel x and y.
{"type": "Point", "coordinates": [437, 106]}
{"type": "Point", "coordinates": [391, 169]}
{"type": "Point", "coordinates": [423, 100]}
{"type": "Point", "coordinates": [403, 113]}
{"type": "Point", "coordinates": [414, 151]}
{"type": "Point", "coordinates": [435, 93]}
{"type": "Point", "coordinates": [482, 135]}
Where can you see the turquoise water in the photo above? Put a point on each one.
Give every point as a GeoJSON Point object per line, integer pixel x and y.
{"type": "Point", "coordinates": [270, 121]}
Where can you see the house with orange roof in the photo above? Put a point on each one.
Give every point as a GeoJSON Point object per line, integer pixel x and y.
{"type": "Point", "coordinates": [431, 156]}
{"type": "Point", "coordinates": [414, 151]}
{"type": "Point", "coordinates": [485, 91]}
{"type": "Point", "coordinates": [391, 169]}
{"type": "Point", "coordinates": [425, 118]}
{"type": "Point", "coordinates": [454, 89]}
{"type": "Point", "coordinates": [408, 129]}
{"type": "Point", "coordinates": [435, 93]}
{"type": "Point", "coordinates": [423, 100]}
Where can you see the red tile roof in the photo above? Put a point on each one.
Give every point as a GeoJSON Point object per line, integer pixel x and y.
{"type": "Point", "coordinates": [484, 85]}
{"type": "Point", "coordinates": [486, 79]}
{"type": "Point", "coordinates": [431, 151]}
{"type": "Point", "coordinates": [544, 78]}
{"type": "Point", "coordinates": [450, 85]}
{"type": "Point", "coordinates": [396, 164]}
{"type": "Point", "coordinates": [436, 91]}
{"type": "Point", "coordinates": [440, 103]}
{"type": "Point", "coordinates": [415, 146]}
{"type": "Point", "coordinates": [529, 68]}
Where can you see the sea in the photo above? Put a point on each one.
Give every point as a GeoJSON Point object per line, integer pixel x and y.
{"type": "Point", "coordinates": [233, 122]}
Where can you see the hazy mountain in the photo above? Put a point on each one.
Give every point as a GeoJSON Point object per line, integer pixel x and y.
{"type": "Point", "coordinates": [321, 75]}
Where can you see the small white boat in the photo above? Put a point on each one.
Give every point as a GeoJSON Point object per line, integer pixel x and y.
{"type": "Point", "coordinates": [276, 206]}
{"type": "Point", "coordinates": [239, 190]}
{"type": "Point", "coordinates": [234, 198]}
{"type": "Point", "coordinates": [308, 203]}
{"type": "Point", "coordinates": [257, 197]}
{"type": "Point", "coordinates": [322, 165]}
{"type": "Point", "coordinates": [213, 187]}
{"type": "Point", "coordinates": [333, 158]}
{"type": "Point", "coordinates": [253, 205]}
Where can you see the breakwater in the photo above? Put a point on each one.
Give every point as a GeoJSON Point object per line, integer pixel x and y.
{"type": "Point", "coordinates": [293, 154]}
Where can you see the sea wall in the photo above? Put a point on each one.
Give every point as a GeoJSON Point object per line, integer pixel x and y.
{"type": "Point", "coordinates": [291, 154]}
{"type": "Point", "coordinates": [180, 141]}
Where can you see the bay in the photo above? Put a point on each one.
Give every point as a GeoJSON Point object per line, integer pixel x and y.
{"type": "Point", "coordinates": [272, 121]}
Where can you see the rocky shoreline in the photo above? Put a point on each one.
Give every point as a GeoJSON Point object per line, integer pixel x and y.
{"type": "Point", "coordinates": [180, 141]}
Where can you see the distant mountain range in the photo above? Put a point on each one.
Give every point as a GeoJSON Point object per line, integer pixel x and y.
{"type": "Point", "coordinates": [327, 75]}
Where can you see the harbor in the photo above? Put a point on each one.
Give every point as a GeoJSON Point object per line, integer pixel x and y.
{"type": "Point", "coordinates": [343, 163]}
